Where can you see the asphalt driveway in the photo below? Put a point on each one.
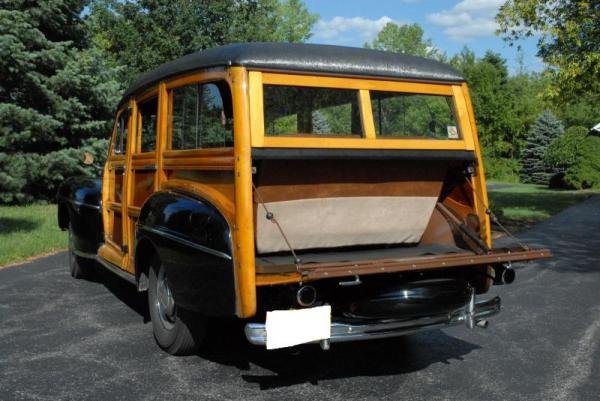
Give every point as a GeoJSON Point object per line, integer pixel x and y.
{"type": "Point", "coordinates": [62, 338]}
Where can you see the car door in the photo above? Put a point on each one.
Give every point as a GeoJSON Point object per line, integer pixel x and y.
{"type": "Point", "coordinates": [114, 192]}
{"type": "Point", "coordinates": [142, 170]}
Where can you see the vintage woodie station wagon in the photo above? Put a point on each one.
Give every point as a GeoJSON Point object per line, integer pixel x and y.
{"type": "Point", "coordinates": [319, 193]}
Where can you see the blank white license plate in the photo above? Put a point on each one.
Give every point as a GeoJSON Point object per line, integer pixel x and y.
{"type": "Point", "coordinates": [286, 328]}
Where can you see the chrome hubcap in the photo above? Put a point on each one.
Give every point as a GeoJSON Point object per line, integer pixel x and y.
{"type": "Point", "coordinates": [165, 305]}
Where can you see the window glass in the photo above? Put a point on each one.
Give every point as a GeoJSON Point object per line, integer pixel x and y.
{"type": "Point", "coordinates": [293, 110]}
{"type": "Point", "coordinates": [201, 116]}
{"type": "Point", "coordinates": [405, 115]}
{"type": "Point", "coordinates": [122, 133]}
{"type": "Point", "coordinates": [147, 114]}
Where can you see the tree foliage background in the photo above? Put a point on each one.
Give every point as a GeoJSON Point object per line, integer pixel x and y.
{"type": "Point", "coordinates": [65, 63]}
{"type": "Point", "coordinates": [56, 95]}
{"type": "Point", "coordinates": [568, 33]}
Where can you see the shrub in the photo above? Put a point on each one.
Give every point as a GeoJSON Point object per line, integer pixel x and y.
{"type": "Point", "coordinates": [501, 169]}
{"type": "Point", "coordinates": [585, 172]}
{"type": "Point", "coordinates": [564, 150]}
{"type": "Point", "coordinates": [577, 156]}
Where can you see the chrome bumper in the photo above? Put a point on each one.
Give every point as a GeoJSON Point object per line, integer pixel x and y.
{"type": "Point", "coordinates": [472, 314]}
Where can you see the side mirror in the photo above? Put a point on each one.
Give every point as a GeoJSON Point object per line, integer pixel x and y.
{"type": "Point", "coordinates": [88, 158]}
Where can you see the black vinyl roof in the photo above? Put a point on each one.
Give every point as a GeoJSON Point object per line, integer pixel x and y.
{"type": "Point", "coordinates": [325, 59]}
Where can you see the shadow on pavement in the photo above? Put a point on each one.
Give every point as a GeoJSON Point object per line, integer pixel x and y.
{"type": "Point", "coordinates": [226, 345]}
{"type": "Point", "coordinates": [309, 364]}
{"type": "Point", "coordinates": [123, 290]}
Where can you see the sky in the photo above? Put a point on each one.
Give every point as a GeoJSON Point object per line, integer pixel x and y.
{"type": "Point", "coordinates": [450, 24]}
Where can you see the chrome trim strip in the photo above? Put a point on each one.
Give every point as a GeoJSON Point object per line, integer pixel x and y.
{"type": "Point", "coordinates": [342, 332]}
{"type": "Point", "coordinates": [116, 270]}
{"type": "Point", "coordinates": [81, 204]}
{"type": "Point", "coordinates": [183, 241]}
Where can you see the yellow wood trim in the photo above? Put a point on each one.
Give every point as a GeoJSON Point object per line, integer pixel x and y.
{"type": "Point", "coordinates": [169, 118]}
{"type": "Point", "coordinates": [479, 184]}
{"type": "Point", "coordinates": [111, 252]}
{"type": "Point", "coordinates": [114, 206]}
{"type": "Point", "coordinates": [354, 83]}
{"type": "Point", "coordinates": [243, 230]}
{"type": "Point", "coordinates": [277, 279]}
{"type": "Point", "coordinates": [257, 117]}
{"type": "Point", "coordinates": [134, 211]}
{"type": "Point", "coordinates": [205, 152]}
{"type": "Point", "coordinates": [161, 134]}
{"type": "Point", "coordinates": [128, 188]}
{"type": "Point", "coordinates": [364, 143]}
{"type": "Point", "coordinates": [366, 113]}
{"type": "Point", "coordinates": [198, 77]}
{"type": "Point", "coordinates": [116, 159]}
{"type": "Point", "coordinates": [462, 117]}
{"type": "Point", "coordinates": [199, 159]}
{"type": "Point", "coordinates": [142, 159]}
{"type": "Point", "coordinates": [147, 94]}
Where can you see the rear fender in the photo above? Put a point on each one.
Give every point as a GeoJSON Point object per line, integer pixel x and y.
{"type": "Point", "coordinates": [78, 202]}
{"type": "Point", "coordinates": [193, 241]}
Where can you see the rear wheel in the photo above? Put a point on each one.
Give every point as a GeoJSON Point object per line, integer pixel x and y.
{"type": "Point", "coordinates": [80, 267]}
{"type": "Point", "coordinates": [176, 330]}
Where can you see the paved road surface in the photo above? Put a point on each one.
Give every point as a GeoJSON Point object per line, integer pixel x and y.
{"type": "Point", "coordinates": [70, 339]}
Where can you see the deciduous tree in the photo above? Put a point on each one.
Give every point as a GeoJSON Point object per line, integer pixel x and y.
{"type": "Point", "coordinates": [408, 39]}
{"type": "Point", "coordinates": [568, 33]}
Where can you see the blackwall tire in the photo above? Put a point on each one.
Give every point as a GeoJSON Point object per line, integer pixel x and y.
{"type": "Point", "coordinates": [176, 330]}
{"type": "Point", "coordinates": [80, 268]}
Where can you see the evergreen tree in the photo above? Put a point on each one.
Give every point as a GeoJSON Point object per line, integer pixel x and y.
{"type": "Point", "coordinates": [56, 95]}
{"type": "Point", "coordinates": [320, 123]}
{"type": "Point", "coordinates": [535, 169]}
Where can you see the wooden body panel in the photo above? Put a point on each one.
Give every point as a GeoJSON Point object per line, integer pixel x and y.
{"type": "Point", "coordinates": [224, 176]}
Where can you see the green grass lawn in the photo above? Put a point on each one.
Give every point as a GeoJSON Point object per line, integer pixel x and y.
{"type": "Point", "coordinates": [27, 231]}
{"type": "Point", "coordinates": [521, 205]}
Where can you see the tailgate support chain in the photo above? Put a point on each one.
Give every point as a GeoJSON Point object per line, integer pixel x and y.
{"type": "Point", "coordinates": [271, 217]}
{"type": "Point", "coordinates": [495, 220]}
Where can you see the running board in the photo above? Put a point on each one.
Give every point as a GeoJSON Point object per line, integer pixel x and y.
{"type": "Point", "coordinates": [116, 270]}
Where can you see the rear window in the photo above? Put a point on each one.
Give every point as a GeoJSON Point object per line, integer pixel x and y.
{"type": "Point", "coordinates": [300, 111]}
{"type": "Point", "coordinates": [405, 115]}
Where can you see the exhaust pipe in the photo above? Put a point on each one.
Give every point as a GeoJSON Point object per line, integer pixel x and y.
{"type": "Point", "coordinates": [504, 274]}
{"type": "Point", "coordinates": [306, 296]}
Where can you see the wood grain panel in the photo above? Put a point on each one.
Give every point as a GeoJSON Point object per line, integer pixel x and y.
{"type": "Point", "coordinates": [199, 159]}
{"type": "Point", "coordinates": [279, 180]}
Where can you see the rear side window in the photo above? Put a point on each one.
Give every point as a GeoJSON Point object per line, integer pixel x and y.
{"type": "Point", "coordinates": [147, 114]}
{"type": "Point", "coordinates": [201, 116]}
{"type": "Point", "coordinates": [120, 146]}
{"type": "Point", "coordinates": [299, 111]}
{"type": "Point", "coordinates": [405, 115]}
